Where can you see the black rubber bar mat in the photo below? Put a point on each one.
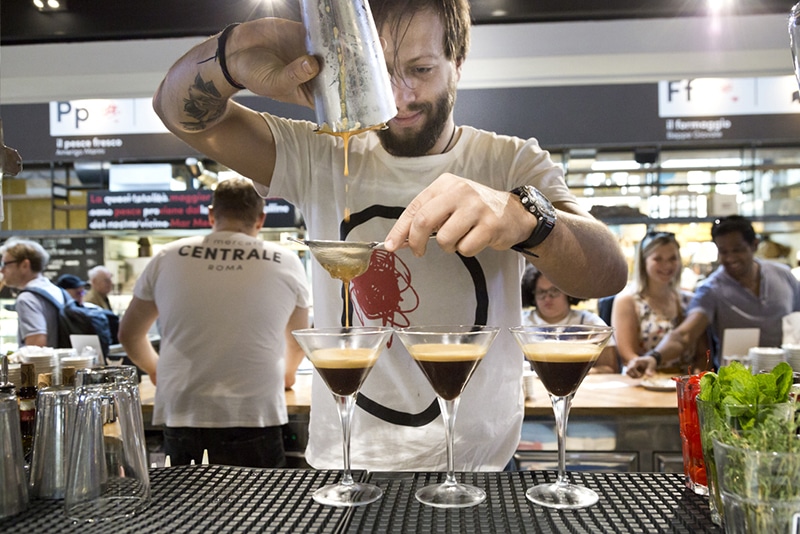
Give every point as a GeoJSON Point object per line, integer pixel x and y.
{"type": "Point", "coordinates": [629, 502]}
{"type": "Point", "coordinates": [224, 499]}
{"type": "Point", "coordinates": [207, 499]}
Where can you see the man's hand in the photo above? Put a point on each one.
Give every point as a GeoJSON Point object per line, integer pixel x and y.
{"type": "Point", "coordinates": [268, 56]}
{"type": "Point", "coordinates": [466, 216]}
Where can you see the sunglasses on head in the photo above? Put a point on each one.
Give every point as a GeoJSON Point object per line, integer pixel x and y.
{"type": "Point", "coordinates": [652, 235]}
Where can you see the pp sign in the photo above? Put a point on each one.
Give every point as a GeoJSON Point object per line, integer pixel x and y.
{"type": "Point", "coordinates": [104, 117]}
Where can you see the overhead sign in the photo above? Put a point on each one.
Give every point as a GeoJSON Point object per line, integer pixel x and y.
{"type": "Point", "coordinates": [167, 210]}
{"type": "Point", "coordinates": [121, 116]}
{"type": "Point", "coordinates": [708, 97]}
{"type": "Point", "coordinates": [153, 210]}
{"type": "Point", "coordinates": [671, 112]}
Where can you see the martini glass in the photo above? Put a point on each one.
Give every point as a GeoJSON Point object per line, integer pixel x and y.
{"type": "Point", "coordinates": [562, 355]}
{"type": "Point", "coordinates": [343, 357]}
{"type": "Point", "coordinates": [448, 356]}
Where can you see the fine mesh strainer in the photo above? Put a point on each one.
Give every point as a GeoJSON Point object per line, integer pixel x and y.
{"type": "Point", "coordinates": [344, 260]}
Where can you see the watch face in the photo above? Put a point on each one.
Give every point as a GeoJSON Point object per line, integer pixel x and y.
{"type": "Point", "coordinates": [542, 203]}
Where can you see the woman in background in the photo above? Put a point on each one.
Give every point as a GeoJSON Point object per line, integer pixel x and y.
{"type": "Point", "coordinates": [654, 304]}
{"type": "Point", "coordinates": [552, 306]}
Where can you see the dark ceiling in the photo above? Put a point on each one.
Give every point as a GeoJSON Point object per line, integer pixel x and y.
{"type": "Point", "coordinates": [91, 20]}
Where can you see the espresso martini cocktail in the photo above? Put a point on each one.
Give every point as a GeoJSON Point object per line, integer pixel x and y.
{"type": "Point", "coordinates": [561, 366]}
{"type": "Point", "coordinates": [447, 366]}
{"type": "Point", "coordinates": [448, 357]}
{"type": "Point", "coordinates": [343, 357]}
{"type": "Point", "coordinates": [562, 355]}
{"type": "Point", "coordinates": [342, 369]}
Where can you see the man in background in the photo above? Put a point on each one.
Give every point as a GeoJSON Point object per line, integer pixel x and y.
{"type": "Point", "coordinates": [22, 264]}
{"type": "Point", "coordinates": [73, 285]}
{"type": "Point", "coordinates": [743, 292]}
{"type": "Point", "coordinates": [226, 304]}
{"type": "Point", "coordinates": [101, 281]}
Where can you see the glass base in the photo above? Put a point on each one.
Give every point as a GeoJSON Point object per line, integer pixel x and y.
{"type": "Point", "coordinates": [700, 489]}
{"type": "Point", "coordinates": [451, 495]}
{"type": "Point", "coordinates": [357, 494]}
{"type": "Point", "coordinates": [562, 496]}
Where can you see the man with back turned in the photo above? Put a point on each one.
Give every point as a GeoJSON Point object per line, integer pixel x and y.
{"type": "Point", "coordinates": [226, 304]}
{"type": "Point", "coordinates": [483, 193]}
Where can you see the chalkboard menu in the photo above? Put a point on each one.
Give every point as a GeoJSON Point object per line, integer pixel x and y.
{"type": "Point", "coordinates": [72, 255]}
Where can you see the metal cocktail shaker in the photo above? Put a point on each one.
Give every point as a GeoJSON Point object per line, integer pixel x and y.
{"type": "Point", "coordinates": [352, 90]}
{"type": "Point", "coordinates": [794, 38]}
{"type": "Point", "coordinates": [14, 490]}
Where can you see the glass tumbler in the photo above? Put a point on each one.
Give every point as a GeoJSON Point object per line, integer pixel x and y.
{"type": "Point", "coordinates": [54, 407]}
{"type": "Point", "coordinates": [760, 489]}
{"type": "Point", "coordinates": [694, 465]}
{"type": "Point", "coordinates": [108, 474]}
{"type": "Point", "coordinates": [714, 423]}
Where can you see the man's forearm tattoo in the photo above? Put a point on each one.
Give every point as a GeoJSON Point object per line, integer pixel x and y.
{"type": "Point", "coordinates": [203, 106]}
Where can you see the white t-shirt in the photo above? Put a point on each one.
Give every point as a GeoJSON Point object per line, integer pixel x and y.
{"type": "Point", "coordinates": [223, 301]}
{"type": "Point", "coordinates": [397, 425]}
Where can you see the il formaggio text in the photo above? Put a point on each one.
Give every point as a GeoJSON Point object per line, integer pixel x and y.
{"type": "Point", "coordinates": [679, 129]}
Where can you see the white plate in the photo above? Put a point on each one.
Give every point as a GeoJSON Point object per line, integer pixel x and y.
{"type": "Point", "coordinates": [658, 383]}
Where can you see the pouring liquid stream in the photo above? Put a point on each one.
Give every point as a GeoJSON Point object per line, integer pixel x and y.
{"type": "Point", "coordinates": [345, 273]}
{"type": "Point", "coordinates": [345, 136]}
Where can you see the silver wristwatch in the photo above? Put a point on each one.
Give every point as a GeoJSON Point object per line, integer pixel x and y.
{"type": "Point", "coordinates": [537, 204]}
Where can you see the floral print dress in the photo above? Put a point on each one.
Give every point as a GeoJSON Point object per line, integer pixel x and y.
{"type": "Point", "coordinates": [654, 326]}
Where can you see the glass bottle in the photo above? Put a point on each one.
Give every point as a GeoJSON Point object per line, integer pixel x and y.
{"type": "Point", "coordinates": [27, 407]}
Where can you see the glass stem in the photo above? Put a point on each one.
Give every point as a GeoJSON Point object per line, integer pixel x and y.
{"type": "Point", "coordinates": [449, 409]}
{"type": "Point", "coordinates": [345, 405]}
{"type": "Point", "coordinates": [561, 407]}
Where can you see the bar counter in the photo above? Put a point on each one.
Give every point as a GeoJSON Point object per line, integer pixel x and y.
{"type": "Point", "coordinates": [599, 395]}
{"type": "Point", "coordinates": [212, 498]}
{"type": "Point", "coordinates": [620, 423]}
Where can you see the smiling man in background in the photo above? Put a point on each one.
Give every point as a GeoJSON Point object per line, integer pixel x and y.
{"type": "Point", "coordinates": [743, 292]}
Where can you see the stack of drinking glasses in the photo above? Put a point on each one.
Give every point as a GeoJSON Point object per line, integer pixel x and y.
{"type": "Point", "coordinates": [89, 447]}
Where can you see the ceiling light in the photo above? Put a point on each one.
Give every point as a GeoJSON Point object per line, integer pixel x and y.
{"type": "Point", "coordinates": [48, 6]}
{"type": "Point", "coordinates": [715, 7]}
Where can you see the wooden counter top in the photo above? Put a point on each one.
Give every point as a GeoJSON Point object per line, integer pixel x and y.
{"type": "Point", "coordinates": [600, 394]}
{"type": "Point", "coordinates": [603, 394]}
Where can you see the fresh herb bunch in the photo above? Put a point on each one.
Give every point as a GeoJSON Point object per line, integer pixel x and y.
{"type": "Point", "coordinates": [752, 413]}
{"type": "Point", "coordinates": [737, 394]}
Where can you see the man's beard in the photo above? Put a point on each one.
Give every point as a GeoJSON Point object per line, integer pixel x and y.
{"type": "Point", "coordinates": [420, 143]}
